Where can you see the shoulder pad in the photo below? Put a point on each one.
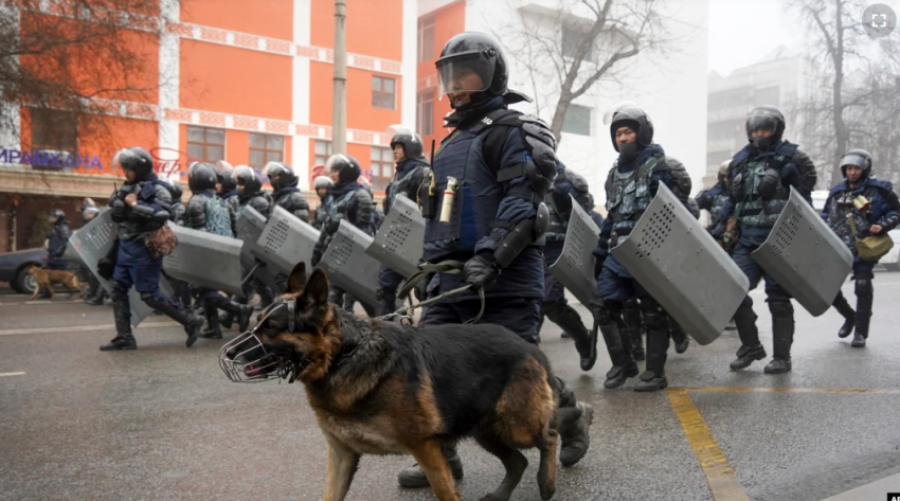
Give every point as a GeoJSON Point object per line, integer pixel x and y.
{"type": "Point", "coordinates": [683, 181]}
{"type": "Point", "coordinates": [738, 159]}
{"type": "Point", "coordinates": [882, 184]}
{"type": "Point", "coordinates": [578, 182]}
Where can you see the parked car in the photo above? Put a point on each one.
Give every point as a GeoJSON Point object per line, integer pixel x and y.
{"type": "Point", "coordinates": [891, 260]}
{"type": "Point", "coordinates": [14, 264]}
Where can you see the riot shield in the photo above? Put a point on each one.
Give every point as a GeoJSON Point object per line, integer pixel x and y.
{"type": "Point", "coordinates": [804, 256]}
{"type": "Point", "coordinates": [349, 267]}
{"type": "Point", "coordinates": [575, 266]}
{"type": "Point", "coordinates": [285, 241]}
{"type": "Point", "coordinates": [250, 226]}
{"type": "Point", "coordinates": [683, 268]}
{"type": "Point", "coordinates": [400, 240]}
{"type": "Point", "coordinates": [205, 259]}
{"type": "Point", "coordinates": [92, 243]}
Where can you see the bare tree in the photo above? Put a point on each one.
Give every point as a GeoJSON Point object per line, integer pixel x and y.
{"type": "Point", "coordinates": [78, 59]}
{"type": "Point", "coordinates": [580, 43]}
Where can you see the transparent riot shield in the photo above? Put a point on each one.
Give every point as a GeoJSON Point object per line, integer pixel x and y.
{"type": "Point", "coordinates": [575, 266]}
{"type": "Point", "coordinates": [804, 256]}
{"type": "Point", "coordinates": [399, 242]}
{"type": "Point", "coordinates": [683, 268]}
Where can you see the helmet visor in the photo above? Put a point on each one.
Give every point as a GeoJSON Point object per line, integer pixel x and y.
{"type": "Point", "coordinates": [336, 163]}
{"type": "Point", "coordinates": [855, 159]}
{"type": "Point", "coordinates": [761, 121]}
{"type": "Point", "coordinates": [471, 72]}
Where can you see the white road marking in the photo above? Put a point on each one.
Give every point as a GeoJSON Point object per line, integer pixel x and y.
{"type": "Point", "coordinates": [77, 328]}
{"type": "Point", "coordinates": [5, 374]}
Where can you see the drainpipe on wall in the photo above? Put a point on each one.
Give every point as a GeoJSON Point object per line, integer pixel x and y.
{"type": "Point", "coordinates": [339, 118]}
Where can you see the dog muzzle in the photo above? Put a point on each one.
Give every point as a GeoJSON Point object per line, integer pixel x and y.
{"type": "Point", "coordinates": [245, 359]}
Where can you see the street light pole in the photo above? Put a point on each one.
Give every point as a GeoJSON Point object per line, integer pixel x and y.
{"type": "Point", "coordinates": [339, 118]}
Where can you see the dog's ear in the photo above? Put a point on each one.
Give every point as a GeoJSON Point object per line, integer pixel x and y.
{"type": "Point", "coordinates": [316, 291]}
{"type": "Point", "coordinates": [297, 279]}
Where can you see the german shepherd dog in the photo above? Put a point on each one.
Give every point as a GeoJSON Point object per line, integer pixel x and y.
{"type": "Point", "coordinates": [46, 279]}
{"type": "Point", "coordinates": [382, 388]}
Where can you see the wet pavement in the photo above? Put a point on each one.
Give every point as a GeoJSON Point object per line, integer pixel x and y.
{"type": "Point", "coordinates": [163, 423]}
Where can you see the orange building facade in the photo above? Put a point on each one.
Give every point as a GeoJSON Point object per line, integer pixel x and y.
{"type": "Point", "coordinates": [244, 84]}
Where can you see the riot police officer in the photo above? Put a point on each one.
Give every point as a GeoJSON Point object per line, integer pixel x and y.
{"type": "Point", "coordinates": [760, 178]}
{"type": "Point", "coordinates": [226, 190]}
{"type": "Point", "coordinates": [713, 199]}
{"type": "Point", "coordinates": [499, 164]}
{"type": "Point", "coordinates": [206, 212]}
{"type": "Point", "coordinates": [57, 240]}
{"type": "Point", "coordinates": [97, 293]}
{"type": "Point", "coordinates": [286, 194]}
{"type": "Point", "coordinates": [566, 186]}
{"type": "Point", "coordinates": [411, 165]}
{"type": "Point", "coordinates": [141, 206]}
{"type": "Point", "coordinates": [632, 183]}
{"type": "Point", "coordinates": [322, 185]}
{"type": "Point", "coordinates": [251, 194]}
{"type": "Point", "coordinates": [352, 202]}
{"type": "Point", "coordinates": [858, 207]}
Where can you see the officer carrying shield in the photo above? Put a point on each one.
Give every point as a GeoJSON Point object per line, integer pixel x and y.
{"type": "Point", "coordinates": [141, 206]}
{"type": "Point", "coordinates": [483, 207]}
{"type": "Point", "coordinates": [856, 208]}
{"type": "Point", "coordinates": [632, 183]}
{"type": "Point", "coordinates": [566, 186]}
{"type": "Point", "coordinates": [411, 165]}
{"type": "Point", "coordinates": [57, 240]}
{"type": "Point", "coordinates": [322, 185]}
{"type": "Point", "coordinates": [182, 289]}
{"type": "Point", "coordinates": [713, 199]}
{"type": "Point", "coordinates": [207, 212]}
{"type": "Point", "coordinates": [760, 178]}
{"type": "Point", "coordinates": [226, 191]}
{"type": "Point", "coordinates": [286, 194]}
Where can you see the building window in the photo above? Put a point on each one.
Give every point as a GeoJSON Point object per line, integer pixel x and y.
{"type": "Point", "coordinates": [205, 144]}
{"type": "Point", "coordinates": [572, 37]}
{"type": "Point", "coordinates": [54, 130]}
{"type": "Point", "coordinates": [425, 112]}
{"type": "Point", "coordinates": [383, 92]}
{"type": "Point", "coordinates": [426, 39]}
{"type": "Point", "coordinates": [382, 167]}
{"type": "Point", "coordinates": [265, 148]}
{"type": "Point", "coordinates": [577, 120]}
{"type": "Point", "coordinates": [323, 151]}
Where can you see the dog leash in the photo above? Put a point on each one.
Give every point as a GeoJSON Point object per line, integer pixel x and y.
{"type": "Point", "coordinates": [449, 267]}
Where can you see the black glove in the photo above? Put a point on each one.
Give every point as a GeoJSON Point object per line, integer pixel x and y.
{"type": "Point", "coordinates": [105, 268]}
{"type": "Point", "coordinates": [481, 271]}
{"type": "Point", "coordinates": [769, 183]}
{"type": "Point", "coordinates": [598, 264]}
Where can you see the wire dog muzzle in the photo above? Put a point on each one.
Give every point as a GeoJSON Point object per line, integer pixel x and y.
{"type": "Point", "coordinates": [245, 358]}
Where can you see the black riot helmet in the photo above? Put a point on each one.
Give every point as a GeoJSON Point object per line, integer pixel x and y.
{"type": "Point", "coordinates": [135, 159]}
{"type": "Point", "coordinates": [247, 180]}
{"type": "Point", "coordinates": [202, 176]}
{"type": "Point", "coordinates": [347, 167]}
{"type": "Point", "coordinates": [57, 215]}
{"type": "Point", "coordinates": [283, 171]}
{"type": "Point", "coordinates": [635, 119]}
{"type": "Point", "coordinates": [322, 183]}
{"type": "Point", "coordinates": [411, 142]}
{"type": "Point", "coordinates": [723, 171]}
{"type": "Point", "coordinates": [858, 157]}
{"type": "Point", "coordinates": [765, 118]}
{"type": "Point", "coordinates": [177, 192]}
{"type": "Point", "coordinates": [472, 52]}
{"type": "Point", "coordinates": [224, 176]}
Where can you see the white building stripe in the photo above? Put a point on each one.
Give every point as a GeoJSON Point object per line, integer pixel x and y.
{"type": "Point", "coordinates": [408, 66]}
{"type": "Point", "coordinates": [300, 89]}
{"type": "Point", "coordinates": [169, 82]}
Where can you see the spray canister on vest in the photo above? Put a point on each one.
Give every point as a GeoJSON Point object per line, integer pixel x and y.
{"type": "Point", "coordinates": [449, 198]}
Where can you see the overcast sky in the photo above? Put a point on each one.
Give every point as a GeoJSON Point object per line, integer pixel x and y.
{"type": "Point", "coordinates": [742, 32]}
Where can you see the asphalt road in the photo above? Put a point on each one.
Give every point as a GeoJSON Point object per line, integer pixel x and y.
{"type": "Point", "coordinates": [163, 423]}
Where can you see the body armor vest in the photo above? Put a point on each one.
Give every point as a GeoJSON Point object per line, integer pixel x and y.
{"type": "Point", "coordinates": [477, 198]}
{"type": "Point", "coordinates": [402, 184]}
{"type": "Point", "coordinates": [751, 209]}
{"type": "Point", "coordinates": [632, 197]}
{"type": "Point", "coordinates": [842, 207]}
{"type": "Point", "coordinates": [718, 203]}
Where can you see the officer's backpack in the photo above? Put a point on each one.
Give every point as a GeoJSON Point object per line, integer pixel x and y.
{"type": "Point", "coordinates": [218, 221]}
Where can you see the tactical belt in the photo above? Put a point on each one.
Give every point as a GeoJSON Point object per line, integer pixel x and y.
{"type": "Point", "coordinates": [449, 267]}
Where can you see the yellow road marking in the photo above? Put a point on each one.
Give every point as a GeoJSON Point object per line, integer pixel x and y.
{"type": "Point", "coordinates": [723, 483]}
{"type": "Point", "coordinates": [736, 389]}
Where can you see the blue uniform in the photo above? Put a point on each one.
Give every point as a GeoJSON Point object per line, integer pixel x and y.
{"type": "Point", "coordinates": [57, 241]}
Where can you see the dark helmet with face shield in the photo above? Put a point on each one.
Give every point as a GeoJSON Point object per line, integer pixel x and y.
{"type": "Point", "coordinates": [322, 182]}
{"type": "Point", "coordinates": [765, 118]}
{"type": "Point", "coordinates": [202, 176]}
{"type": "Point", "coordinates": [411, 142]}
{"type": "Point", "coordinates": [247, 180]}
{"type": "Point", "coordinates": [57, 215]}
{"type": "Point", "coordinates": [135, 159]}
{"type": "Point", "coordinates": [284, 174]}
{"type": "Point", "coordinates": [347, 167]}
{"type": "Point", "coordinates": [224, 175]}
{"type": "Point", "coordinates": [635, 119]}
{"type": "Point", "coordinates": [858, 157]}
{"type": "Point", "coordinates": [472, 53]}
{"type": "Point", "coordinates": [723, 171]}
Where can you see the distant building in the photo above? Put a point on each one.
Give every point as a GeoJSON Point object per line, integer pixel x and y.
{"type": "Point", "coordinates": [779, 79]}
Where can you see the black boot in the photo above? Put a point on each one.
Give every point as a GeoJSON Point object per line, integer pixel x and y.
{"type": "Point", "coordinates": [843, 307]}
{"type": "Point", "coordinates": [679, 337]}
{"type": "Point", "coordinates": [654, 378]}
{"type": "Point", "coordinates": [242, 312]}
{"type": "Point", "coordinates": [751, 349]}
{"type": "Point", "coordinates": [413, 477]}
{"type": "Point", "coordinates": [605, 314]}
{"type": "Point", "coordinates": [124, 339]}
{"type": "Point", "coordinates": [865, 294]}
{"type": "Point", "coordinates": [212, 330]}
{"type": "Point", "coordinates": [634, 321]}
{"type": "Point", "coordinates": [782, 335]}
{"type": "Point", "coordinates": [574, 424]}
{"type": "Point", "coordinates": [193, 324]}
{"type": "Point", "coordinates": [568, 319]}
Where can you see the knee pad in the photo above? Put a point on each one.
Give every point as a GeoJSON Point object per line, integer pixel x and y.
{"type": "Point", "coordinates": [863, 287]}
{"type": "Point", "coordinates": [552, 309]}
{"type": "Point", "coordinates": [606, 311]}
{"type": "Point", "coordinates": [119, 292]}
{"type": "Point", "coordinates": [781, 307]}
{"type": "Point", "coordinates": [151, 300]}
{"type": "Point", "coordinates": [654, 316]}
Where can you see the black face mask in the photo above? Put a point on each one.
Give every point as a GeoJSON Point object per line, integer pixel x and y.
{"type": "Point", "coordinates": [627, 151]}
{"type": "Point", "coordinates": [762, 143]}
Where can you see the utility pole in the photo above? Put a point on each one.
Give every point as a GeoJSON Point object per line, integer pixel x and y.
{"type": "Point", "coordinates": [339, 118]}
